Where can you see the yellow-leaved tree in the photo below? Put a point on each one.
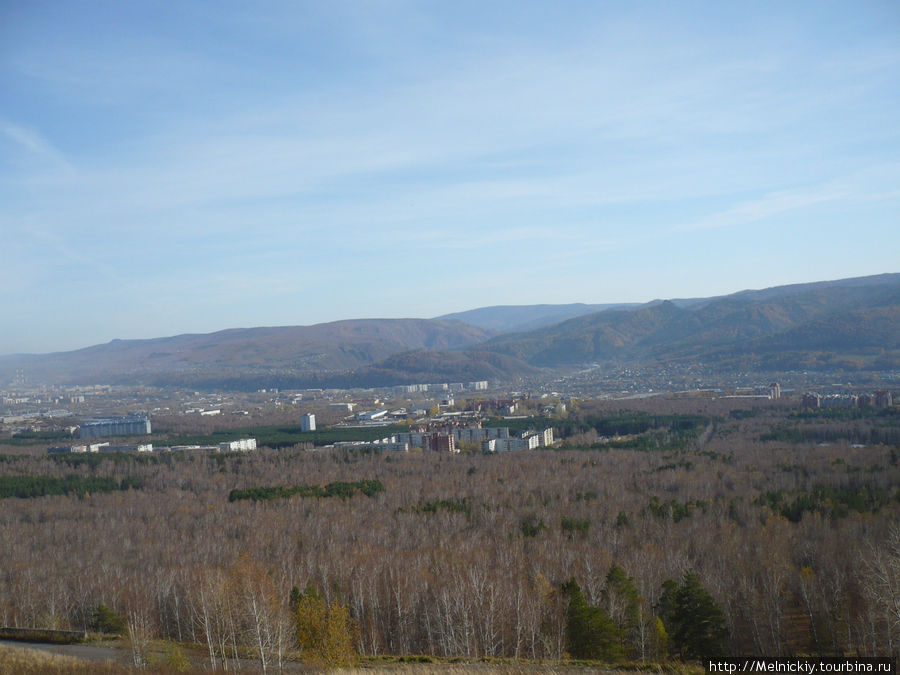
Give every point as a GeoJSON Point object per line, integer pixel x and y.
{"type": "Point", "coordinates": [326, 633]}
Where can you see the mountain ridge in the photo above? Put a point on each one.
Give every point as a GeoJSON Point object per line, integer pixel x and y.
{"type": "Point", "coordinates": [336, 346]}
{"type": "Point", "coordinates": [517, 318]}
{"type": "Point", "coordinates": [854, 322]}
{"type": "Point", "coordinates": [703, 330]}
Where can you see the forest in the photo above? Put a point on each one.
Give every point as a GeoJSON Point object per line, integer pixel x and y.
{"type": "Point", "coordinates": [774, 530]}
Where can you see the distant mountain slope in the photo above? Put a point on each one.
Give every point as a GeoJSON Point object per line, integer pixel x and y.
{"type": "Point", "coordinates": [612, 334]}
{"type": "Point", "coordinates": [524, 318]}
{"type": "Point", "coordinates": [865, 338]}
{"type": "Point", "coordinates": [807, 319]}
{"type": "Point", "coordinates": [518, 318]}
{"type": "Point", "coordinates": [832, 317]}
{"type": "Point", "coordinates": [774, 292]}
{"type": "Point", "coordinates": [338, 346]}
{"type": "Point", "coordinates": [794, 289]}
{"type": "Point", "coordinates": [850, 323]}
{"type": "Point", "coordinates": [443, 366]}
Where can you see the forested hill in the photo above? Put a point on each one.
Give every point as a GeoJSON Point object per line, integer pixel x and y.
{"type": "Point", "coordinates": [518, 318]}
{"type": "Point", "coordinates": [524, 318]}
{"type": "Point", "coordinates": [852, 324]}
{"type": "Point", "coordinates": [336, 347]}
{"type": "Point", "coordinates": [855, 323]}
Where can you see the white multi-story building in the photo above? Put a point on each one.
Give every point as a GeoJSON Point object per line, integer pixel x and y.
{"type": "Point", "coordinates": [140, 447]}
{"type": "Point", "coordinates": [117, 426]}
{"type": "Point", "coordinates": [883, 399]}
{"type": "Point", "coordinates": [371, 415]}
{"type": "Point", "coordinates": [528, 441]}
{"type": "Point", "coordinates": [839, 401]}
{"type": "Point", "coordinates": [91, 447]}
{"type": "Point", "coordinates": [509, 444]}
{"type": "Point", "coordinates": [478, 434]}
{"type": "Point", "coordinates": [241, 445]}
{"type": "Point", "coordinates": [308, 422]}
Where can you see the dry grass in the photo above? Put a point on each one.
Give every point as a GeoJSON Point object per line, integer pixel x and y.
{"type": "Point", "coordinates": [25, 661]}
{"type": "Point", "coordinates": [512, 668]}
{"type": "Point", "coordinates": [21, 660]}
{"type": "Point", "coordinates": [459, 668]}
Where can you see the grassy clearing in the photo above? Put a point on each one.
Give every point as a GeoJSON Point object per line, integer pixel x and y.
{"type": "Point", "coordinates": [22, 660]}
{"type": "Point", "coordinates": [434, 664]}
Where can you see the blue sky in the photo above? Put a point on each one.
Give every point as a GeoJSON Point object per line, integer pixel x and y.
{"type": "Point", "coordinates": [172, 167]}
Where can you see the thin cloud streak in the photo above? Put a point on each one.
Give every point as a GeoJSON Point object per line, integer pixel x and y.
{"type": "Point", "coordinates": [35, 144]}
{"type": "Point", "coordinates": [856, 187]}
{"type": "Point", "coordinates": [772, 204]}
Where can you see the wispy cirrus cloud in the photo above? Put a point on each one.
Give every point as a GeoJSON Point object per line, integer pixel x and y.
{"type": "Point", "coordinates": [772, 204]}
{"type": "Point", "coordinates": [874, 183]}
{"type": "Point", "coordinates": [34, 144]}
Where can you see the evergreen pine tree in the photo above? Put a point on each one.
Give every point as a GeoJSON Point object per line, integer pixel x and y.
{"type": "Point", "coordinates": [591, 633]}
{"type": "Point", "coordinates": [105, 620]}
{"type": "Point", "coordinates": [623, 604]}
{"type": "Point", "coordinates": [694, 622]}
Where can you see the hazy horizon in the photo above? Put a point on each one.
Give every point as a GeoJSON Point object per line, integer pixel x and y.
{"type": "Point", "coordinates": [188, 168]}
{"type": "Point", "coordinates": [400, 317]}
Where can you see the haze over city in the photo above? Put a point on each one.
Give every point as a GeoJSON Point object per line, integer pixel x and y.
{"type": "Point", "coordinates": [188, 167]}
